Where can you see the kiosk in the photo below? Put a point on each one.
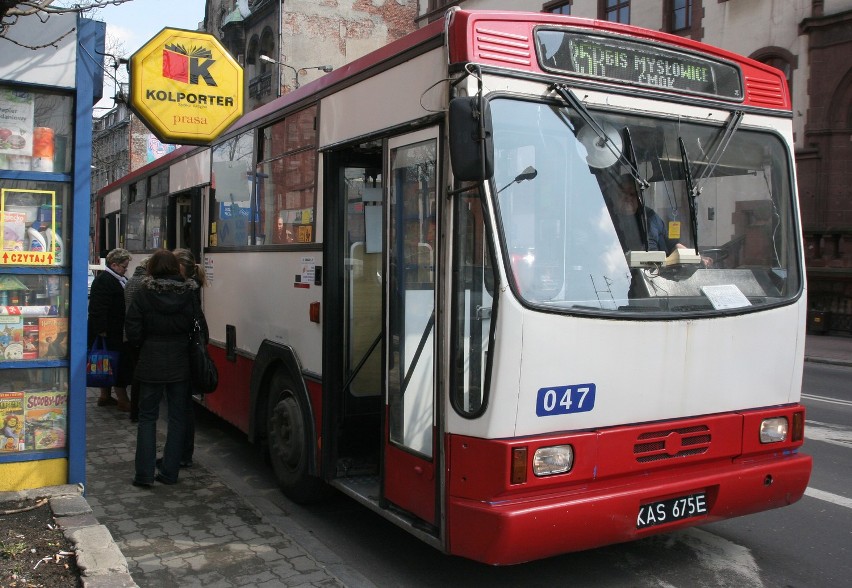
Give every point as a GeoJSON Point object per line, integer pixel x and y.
{"type": "Point", "coordinates": [51, 74]}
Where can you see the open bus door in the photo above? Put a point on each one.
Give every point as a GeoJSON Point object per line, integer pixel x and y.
{"type": "Point", "coordinates": [183, 233]}
{"type": "Point", "coordinates": [379, 408]}
{"type": "Point", "coordinates": [411, 473]}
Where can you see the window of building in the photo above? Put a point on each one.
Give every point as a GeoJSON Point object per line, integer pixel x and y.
{"type": "Point", "coordinates": [561, 7]}
{"type": "Point", "coordinates": [616, 11]}
{"type": "Point", "coordinates": [681, 11]}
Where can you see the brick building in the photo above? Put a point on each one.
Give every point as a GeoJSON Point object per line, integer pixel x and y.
{"type": "Point", "coordinates": [310, 38]}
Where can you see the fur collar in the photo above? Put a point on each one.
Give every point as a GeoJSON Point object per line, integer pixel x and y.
{"type": "Point", "coordinates": [168, 284]}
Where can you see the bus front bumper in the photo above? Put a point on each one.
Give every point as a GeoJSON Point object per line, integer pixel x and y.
{"type": "Point", "coordinates": [529, 528]}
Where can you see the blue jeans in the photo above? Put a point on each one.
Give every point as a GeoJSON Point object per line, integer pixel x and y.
{"type": "Point", "coordinates": [150, 394]}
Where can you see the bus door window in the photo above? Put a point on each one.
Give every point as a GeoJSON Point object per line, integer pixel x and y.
{"type": "Point", "coordinates": [413, 185]}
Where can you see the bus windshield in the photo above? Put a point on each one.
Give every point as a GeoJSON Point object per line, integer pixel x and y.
{"type": "Point", "coordinates": [602, 220]}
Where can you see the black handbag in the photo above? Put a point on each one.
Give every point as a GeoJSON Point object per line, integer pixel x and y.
{"type": "Point", "coordinates": [205, 376]}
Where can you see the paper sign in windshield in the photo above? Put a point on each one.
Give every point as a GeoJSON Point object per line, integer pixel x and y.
{"type": "Point", "coordinates": [725, 296]}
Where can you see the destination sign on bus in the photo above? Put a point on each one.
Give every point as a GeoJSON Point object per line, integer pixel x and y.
{"type": "Point", "coordinates": [637, 63]}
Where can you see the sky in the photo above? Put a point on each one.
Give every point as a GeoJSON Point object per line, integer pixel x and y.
{"type": "Point", "coordinates": [132, 24]}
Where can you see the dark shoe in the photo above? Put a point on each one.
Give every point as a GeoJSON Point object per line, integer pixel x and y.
{"type": "Point", "coordinates": [139, 484]}
{"type": "Point", "coordinates": [123, 406]}
{"type": "Point", "coordinates": [162, 480]}
{"type": "Point", "coordinates": [107, 401]}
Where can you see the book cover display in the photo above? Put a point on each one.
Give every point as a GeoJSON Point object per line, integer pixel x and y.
{"type": "Point", "coordinates": [52, 337]}
{"type": "Point", "coordinates": [11, 338]}
{"type": "Point", "coordinates": [45, 418]}
{"type": "Point", "coordinates": [11, 421]}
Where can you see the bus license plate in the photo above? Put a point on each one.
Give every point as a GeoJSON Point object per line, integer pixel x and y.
{"type": "Point", "coordinates": [675, 509]}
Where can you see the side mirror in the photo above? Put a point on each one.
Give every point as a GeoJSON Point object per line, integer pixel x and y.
{"type": "Point", "coordinates": [471, 143]}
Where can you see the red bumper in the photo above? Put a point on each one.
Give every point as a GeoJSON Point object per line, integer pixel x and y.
{"type": "Point", "coordinates": [516, 531]}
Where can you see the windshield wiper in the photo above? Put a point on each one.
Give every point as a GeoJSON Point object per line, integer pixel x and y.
{"type": "Point", "coordinates": [641, 184]}
{"type": "Point", "coordinates": [721, 145]}
{"type": "Point", "coordinates": [691, 193]}
{"type": "Point", "coordinates": [568, 96]}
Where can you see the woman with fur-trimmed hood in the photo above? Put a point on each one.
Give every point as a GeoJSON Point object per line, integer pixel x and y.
{"type": "Point", "coordinates": [159, 321]}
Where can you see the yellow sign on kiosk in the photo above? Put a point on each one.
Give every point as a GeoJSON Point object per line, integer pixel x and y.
{"type": "Point", "coordinates": [185, 86]}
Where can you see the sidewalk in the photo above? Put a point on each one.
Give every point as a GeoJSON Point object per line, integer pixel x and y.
{"type": "Point", "coordinates": [828, 349]}
{"type": "Point", "coordinates": [198, 532]}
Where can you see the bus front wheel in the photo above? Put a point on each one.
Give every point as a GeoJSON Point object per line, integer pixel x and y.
{"type": "Point", "coordinates": [288, 444]}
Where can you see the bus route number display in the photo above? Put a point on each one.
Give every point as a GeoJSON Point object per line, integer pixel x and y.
{"type": "Point", "coordinates": [557, 400]}
{"type": "Point", "coordinates": [637, 63]}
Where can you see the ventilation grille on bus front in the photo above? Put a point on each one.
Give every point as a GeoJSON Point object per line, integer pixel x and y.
{"type": "Point", "coordinates": [672, 444]}
{"type": "Point", "coordinates": [505, 47]}
{"type": "Point", "coordinates": [764, 92]}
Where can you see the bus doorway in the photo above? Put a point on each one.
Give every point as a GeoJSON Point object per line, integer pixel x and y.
{"type": "Point", "coordinates": [354, 337]}
{"type": "Point", "coordinates": [383, 356]}
{"type": "Point", "coordinates": [110, 231]}
{"type": "Point", "coordinates": [184, 207]}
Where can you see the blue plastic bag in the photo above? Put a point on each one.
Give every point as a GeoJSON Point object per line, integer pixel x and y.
{"type": "Point", "coordinates": [101, 365]}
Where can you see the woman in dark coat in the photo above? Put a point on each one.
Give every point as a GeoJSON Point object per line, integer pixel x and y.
{"type": "Point", "coordinates": [106, 318]}
{"type": "Point", "coordinates": [159, 321]}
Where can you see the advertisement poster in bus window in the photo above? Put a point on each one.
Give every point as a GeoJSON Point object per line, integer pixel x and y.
{"type": "Point", "coordinates": [232, 227]}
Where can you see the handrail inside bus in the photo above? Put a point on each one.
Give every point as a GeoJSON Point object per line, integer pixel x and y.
{"type": "Point", "coordinates": [418, 353]}
{"type": "Point", "coordinates": [361, 363]}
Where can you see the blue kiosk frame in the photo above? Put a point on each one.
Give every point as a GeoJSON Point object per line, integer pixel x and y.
{"type": "Point", "coordinates": [68, 42]}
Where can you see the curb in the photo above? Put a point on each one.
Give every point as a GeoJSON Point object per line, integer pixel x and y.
{"type": "Point", "coordinates": [101, 563]}
{"type": "Point", "coordinates": [829, 361]}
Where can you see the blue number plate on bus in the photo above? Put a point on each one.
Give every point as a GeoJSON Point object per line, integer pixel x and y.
{"type": "Point", "coordinates": [675, 509]}
{"type": "Point", "coordinates": [565, 399]}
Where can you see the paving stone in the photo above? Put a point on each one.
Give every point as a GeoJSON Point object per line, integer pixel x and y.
{"type": "Point", "coordinates": [197, 532]}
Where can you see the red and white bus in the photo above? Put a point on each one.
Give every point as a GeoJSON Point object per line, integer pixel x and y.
{"type": "Point", "coordinates": [426, 291]}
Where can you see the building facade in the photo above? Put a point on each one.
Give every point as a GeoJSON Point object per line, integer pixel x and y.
{"type": "Point", "coordinates": [309, 39]}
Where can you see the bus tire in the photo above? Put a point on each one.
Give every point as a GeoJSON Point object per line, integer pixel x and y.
{"type": "Point", "coordinates": [287, 441]}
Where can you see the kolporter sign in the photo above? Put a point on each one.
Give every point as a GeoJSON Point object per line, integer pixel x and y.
{"type": "Point", "coordinates": [186, 87]}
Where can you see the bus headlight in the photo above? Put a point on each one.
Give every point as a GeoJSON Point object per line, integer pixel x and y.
{"type": "Point", "coordinates": [773, 430]}
{"type": "Point", "coordinates": [548, 461]}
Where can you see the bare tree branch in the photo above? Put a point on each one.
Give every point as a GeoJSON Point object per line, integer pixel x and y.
{"type": "Point", "coordinates": [30, 7]}
{"type": "Point", "coordinates": [12, 10]}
